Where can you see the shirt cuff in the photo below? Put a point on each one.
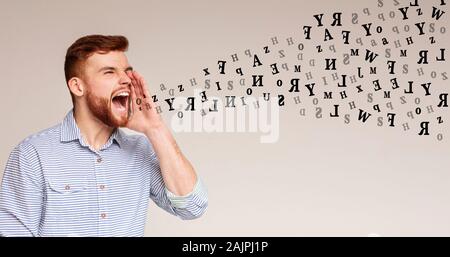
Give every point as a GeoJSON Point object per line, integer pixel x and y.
{"type": "Point", "coordinates": [183, 201]}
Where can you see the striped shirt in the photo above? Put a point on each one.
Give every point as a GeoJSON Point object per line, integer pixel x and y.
{"type": "Point", "coordinates": [55, 184]}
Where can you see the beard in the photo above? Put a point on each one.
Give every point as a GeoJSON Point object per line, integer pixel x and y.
{"type": "Point", "coordinates": [101, 108]}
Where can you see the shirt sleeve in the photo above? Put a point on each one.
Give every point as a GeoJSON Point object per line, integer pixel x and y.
{"type": "Point", "coordinates": [21, 193]}
{"type": "Point", "coordinates": [190, 206]}
{"type": "Point", "coordinates": [183, 201]}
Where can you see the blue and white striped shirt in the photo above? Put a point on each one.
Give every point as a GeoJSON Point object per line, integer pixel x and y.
{"type": "Point", "coordinates": [55, 184]}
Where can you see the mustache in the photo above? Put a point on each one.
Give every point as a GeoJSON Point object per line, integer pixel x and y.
{"type": "Point", "coordinates": [128, 87]}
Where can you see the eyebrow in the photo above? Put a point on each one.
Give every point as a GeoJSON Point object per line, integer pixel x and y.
{"type": "Point", "coordinates": [129, 68]}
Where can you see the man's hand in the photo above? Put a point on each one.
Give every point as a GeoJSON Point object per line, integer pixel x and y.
{"type": "Point", "coordinates": [178, 174]}
{"type": "Point", "coordinates": [144, 116]}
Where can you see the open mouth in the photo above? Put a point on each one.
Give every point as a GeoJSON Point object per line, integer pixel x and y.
{"type": "Point", "coordinates": [120, 101]}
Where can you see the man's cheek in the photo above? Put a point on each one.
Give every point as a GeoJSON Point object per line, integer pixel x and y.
{"type": "Point", "coordinates": [104, 91]}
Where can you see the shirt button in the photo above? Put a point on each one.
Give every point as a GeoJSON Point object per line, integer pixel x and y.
{"type": "Point", "coordinates": [99, 159]}
{"type": "Point", "coordinates": [67, 187]}
{"type": "Point", "coordinates": [102, 187]}
{"type": "Point", "coordinates": [103, 215]}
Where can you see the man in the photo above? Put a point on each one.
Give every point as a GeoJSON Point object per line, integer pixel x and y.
{"type": "Point", "coordinates": [85, 176]}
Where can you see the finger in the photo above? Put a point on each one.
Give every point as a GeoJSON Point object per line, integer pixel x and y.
{"type": "Point", "coordinates": [148, 101]}
{"type": "Point", "coordinates": [130, 75]}
{"type": "Point", "coordinates": [137, 84]}
{"type": "Point", "coordinates": [134, 83]}
{"type": "Point", "coordinates": [132, 107]}
{"type": "Point", "coordinates": [142, 84]}
{"type": "Point", "coordinates": [138, 92]}
{"type": "Point", "coordinates": [138, 101]}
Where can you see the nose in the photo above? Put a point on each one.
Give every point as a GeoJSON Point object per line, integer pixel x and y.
{"type": "Point", "coordinates": [124, 79]}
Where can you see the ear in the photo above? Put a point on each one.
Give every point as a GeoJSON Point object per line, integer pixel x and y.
{"type": "Point", "coordinates": [76, 86]}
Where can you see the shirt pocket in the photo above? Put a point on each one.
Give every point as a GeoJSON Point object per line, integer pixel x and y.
{"type": "Point", "coordinates": [67, 186]}
{"type": "Point", "coordinates": [67, 199]}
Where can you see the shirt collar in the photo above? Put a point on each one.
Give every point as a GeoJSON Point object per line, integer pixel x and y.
{"type": "Point", "coordinates": [70, 132]}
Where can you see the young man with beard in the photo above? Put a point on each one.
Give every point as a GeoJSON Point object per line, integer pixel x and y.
{"type": "Point", "coordinates": [85, 176]}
